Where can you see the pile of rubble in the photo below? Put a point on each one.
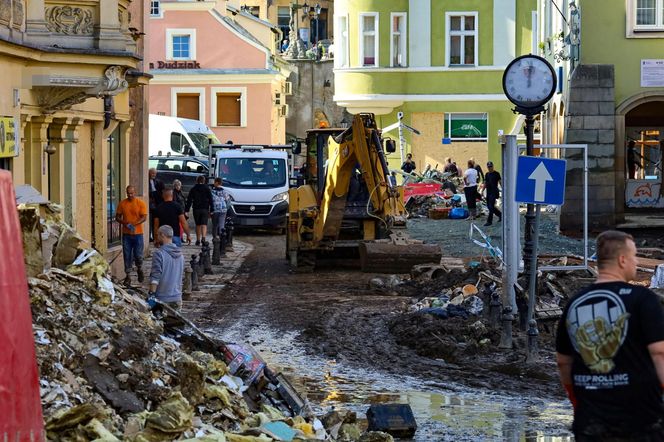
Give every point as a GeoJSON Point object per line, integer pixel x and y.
{"type": "Point", "coordinates": [109, 370]}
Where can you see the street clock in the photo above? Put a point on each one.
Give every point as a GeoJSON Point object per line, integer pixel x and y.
{"type": "Point", "coordinates": [529, 82]}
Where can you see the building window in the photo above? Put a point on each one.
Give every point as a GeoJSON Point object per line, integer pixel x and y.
{"type": "Point", "coordinates": [461, 47]}
{"type": "Point", "coordinates": [6, 164]}
{"type": "Point", "coordinates": [181, 44]}
{"type": "Point", "coordinates": [650, 14]}
{"type": "Point", "coordinates": [229, 106]}
{"type": "Point", "coordinates": [155, 8]}
{"type": "Point", "coordinates": [466, 126]}
{"type": "Point", "coordinates": [188, 106]}
{"type": "Point", "coordinates": [369, 39]}
{"type": "Point", "coordinates": [398, 42]}
{"type": "Point", "coordinates": [341, 55]}
{"type": "Point", "coordinates": [113, 187]}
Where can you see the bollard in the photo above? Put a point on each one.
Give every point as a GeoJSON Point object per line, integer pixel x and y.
{"type": "Point", "coordinates": [216, 250]}
{"type": "Point", "coordinates": [186, 283]}
{"type": "Point", "coordinates": [229, 227]}
{"type": "Point", "coordinates": [194, 272]}
{"type": "Point", "coordinates": [206, 262]}
{"type": "Point", "coordinates": [533, 333]}
{"type": "Point", "coordinates": [495, 306]}
{"type": "Point", "coordinates": [222, 237]}
{"type": "Point", "coordinates": [506, 335]}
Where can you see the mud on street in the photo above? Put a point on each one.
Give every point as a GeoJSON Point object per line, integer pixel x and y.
{"type": "Point", "coordinates": [336, 316]}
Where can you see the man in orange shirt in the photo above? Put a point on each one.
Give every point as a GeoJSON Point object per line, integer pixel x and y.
{"type": "Point", "coordinates": [132, 213]}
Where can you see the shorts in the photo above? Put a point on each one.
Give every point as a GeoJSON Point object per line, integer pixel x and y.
{"type": "Point", "coordinates": [201, 217]}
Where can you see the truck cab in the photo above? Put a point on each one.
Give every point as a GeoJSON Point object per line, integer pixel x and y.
{"type": "Point", "coordinates": [257, 180]}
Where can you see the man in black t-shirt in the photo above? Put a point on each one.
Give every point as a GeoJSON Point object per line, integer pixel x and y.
{"type": "Point", "coordinates": [491, 183]}
{"type": "Point", "coordinates": [610, 350]}
{"type": "Point", "coordinates": [170, 213]}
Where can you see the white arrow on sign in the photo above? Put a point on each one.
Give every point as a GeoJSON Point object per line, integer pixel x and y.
{"type": "Point", "coordinates": [541, 175]}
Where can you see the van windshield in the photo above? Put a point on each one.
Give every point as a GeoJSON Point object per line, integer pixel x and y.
{"type": "Point", "coordinates": [201, 141]}
{"type": "Point", "coordinates": [253, 172]}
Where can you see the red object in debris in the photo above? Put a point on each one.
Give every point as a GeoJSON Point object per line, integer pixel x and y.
{"type": "Point", "coordinates": [20, 404]}
{"type": "Point", "coordinates": [416, 189]}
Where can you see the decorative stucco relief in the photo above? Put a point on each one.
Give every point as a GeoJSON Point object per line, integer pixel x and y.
{"type": "Point", "coordinates": [5, 11]}
{"type": "Point", "coordinates": [69, 21]}
{"type": "Point", "coordinates": [19, 13]}
{"type": "Point", "coordinates": [58, 92]}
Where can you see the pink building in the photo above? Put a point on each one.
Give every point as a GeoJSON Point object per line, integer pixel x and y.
{"type": "Point", "coordinates": [215, 63]}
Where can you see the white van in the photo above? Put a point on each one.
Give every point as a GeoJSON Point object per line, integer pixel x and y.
{"type": "Point", "coordinates": [179, 136]}
{"type": "Point", "coordinates": [257, 180]}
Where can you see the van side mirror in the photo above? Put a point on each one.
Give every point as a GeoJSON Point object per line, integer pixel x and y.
{"type": "Point", "coordinates": [297, 147]}
{"type": "Point", "coordinates": [187, 150]}
{"type": "Point", "coordinates": [390, 145]}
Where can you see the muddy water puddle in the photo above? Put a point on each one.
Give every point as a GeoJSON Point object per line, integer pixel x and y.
{"type": "Point", "coordinates": [443, 411]}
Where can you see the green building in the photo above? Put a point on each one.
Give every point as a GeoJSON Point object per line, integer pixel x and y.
{"type": "Point", "coordinates": [440, 63]}
{"type": "Point", "coordinates": [611, 57]}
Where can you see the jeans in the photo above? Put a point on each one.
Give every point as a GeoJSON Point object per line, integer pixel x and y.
{"type": "Point", "coordinates": [218, 222]}
{"type": "Point", "coordinates": [132, 251]}
{"type": "Point", "coordinates": [177, 241]}
{"type": "Point", "coordinates": [491, 204]}
{"type": "Point", "coordinates": [471, 199]}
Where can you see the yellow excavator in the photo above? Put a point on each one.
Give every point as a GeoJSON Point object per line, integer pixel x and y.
{"type": "Point", "coordinates": [348, 208]}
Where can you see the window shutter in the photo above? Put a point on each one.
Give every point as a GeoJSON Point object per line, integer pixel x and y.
{"type": "Point", "coordinates": [188, 106]}
{"type": "Point", "coordinates": [229, 109]}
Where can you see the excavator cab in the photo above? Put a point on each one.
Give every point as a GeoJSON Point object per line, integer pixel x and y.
{"type": "Point", "coordinates": [348, 208]}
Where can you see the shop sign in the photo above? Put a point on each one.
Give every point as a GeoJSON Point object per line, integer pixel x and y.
{"type": "Point", "coordinates": [9, 145]}
{"type": "Point", "coordinates": [643, 194]}
{"type": "Point", "coordinates": [465, 126]}
{"type": "Point", "coordinates": [176, 65]}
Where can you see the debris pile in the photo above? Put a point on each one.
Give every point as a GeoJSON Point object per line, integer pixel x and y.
{"type": "Point", "coordinates": [110, 371]}
{"type": "Point", "coordinates": [449, 317]}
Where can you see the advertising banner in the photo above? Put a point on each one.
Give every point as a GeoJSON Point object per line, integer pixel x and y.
{"type": "Point", "coordinates": [9, 145]}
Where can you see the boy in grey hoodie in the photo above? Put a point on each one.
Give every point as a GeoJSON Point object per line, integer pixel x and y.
{"type": "Point", "coordinates": [167, 269]}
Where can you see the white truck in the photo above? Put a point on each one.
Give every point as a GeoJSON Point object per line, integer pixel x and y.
{"type": "Point", "coordinates": [257, 180]}
{"type": "Point", "coordinates": [179, 136]}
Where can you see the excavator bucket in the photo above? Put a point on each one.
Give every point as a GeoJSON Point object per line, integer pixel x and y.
{"type": "Point", "coordinates": [387, 256]}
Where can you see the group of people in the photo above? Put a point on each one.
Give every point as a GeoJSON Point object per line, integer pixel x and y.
{"type": "Point", "coordinates": [473, 178]}
{"type": "Point", "coordinates": [168, 218]}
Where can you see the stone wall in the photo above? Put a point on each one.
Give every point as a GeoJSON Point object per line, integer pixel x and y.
{"type": "Point", "coordinates": [590, 120]}
{"type": "Point", "coordinates": [313, 92]}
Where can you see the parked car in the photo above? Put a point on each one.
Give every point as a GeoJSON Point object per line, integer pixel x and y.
{"type": "Point", "coordinates": [185, 169]}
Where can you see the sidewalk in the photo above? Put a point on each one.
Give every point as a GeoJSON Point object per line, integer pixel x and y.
{"type": "Point", "coordinates": [208, 285]}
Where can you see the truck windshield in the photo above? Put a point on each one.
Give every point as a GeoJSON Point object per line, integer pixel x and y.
{"type": "Point", "coordinates": [253, 172]}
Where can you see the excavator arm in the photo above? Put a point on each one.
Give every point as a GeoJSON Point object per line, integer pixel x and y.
{"type": "Point", "coordinates": [350, 204]}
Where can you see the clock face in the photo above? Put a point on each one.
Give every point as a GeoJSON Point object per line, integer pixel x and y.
{"type": "Point", "coordinates": [529, 81]}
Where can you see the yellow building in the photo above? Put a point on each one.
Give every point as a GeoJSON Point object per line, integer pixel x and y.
{"type": "Point", "coordinates": [65, 111]}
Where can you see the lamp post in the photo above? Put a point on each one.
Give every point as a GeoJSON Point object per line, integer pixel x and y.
{"type": "Point", "coordinates": [317, 10]}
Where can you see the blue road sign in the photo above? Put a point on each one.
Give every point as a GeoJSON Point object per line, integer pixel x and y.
{"type": "Point", "coordinates": [540, 180]}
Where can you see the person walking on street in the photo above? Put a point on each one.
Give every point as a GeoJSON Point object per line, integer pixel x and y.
{"type": "Point", "coordinates": [167, 269]}
{"type": "Point", "coordinates": [470, 189]}
{"type": "Point", "coordinates": [610, 350]}
{"type": "Point", "coordinates": [200, 197]}
{"type": "Point", "coordinates": [491, 186]}
{"type": "Point", "coordinates": [178, 195]}
{"type": "Point", "coordinates": [170, 213]}
{"type": "Point", "coordinates": [131, 214]}
{"type": "Point", "coordinates": [156, 187]}
{"type": "Point", "coordinates": [220, 200]}
{"type": "Point", "coordinates": [480, 172]}
{"type": "Point", "coordinates": [409, 165]}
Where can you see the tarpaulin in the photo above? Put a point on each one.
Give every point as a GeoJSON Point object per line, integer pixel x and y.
{"type": "Point", "coordinates": [20, 403]}
{"type": "Point", "coordinates": [414, 189]}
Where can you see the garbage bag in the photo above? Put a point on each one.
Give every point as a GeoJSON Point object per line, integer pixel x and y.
{"type": "Point", "coordinates": [474, 305]}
